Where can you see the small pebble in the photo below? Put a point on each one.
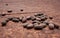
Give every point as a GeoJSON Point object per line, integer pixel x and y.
{"type": "Point", "coordinates": [43, 25]}
{"type": "Point", "coordinates": [35, 22]}
{"type": "Point", "coordinates": [50, 17]}
{"type": "Point", "coordinates": [15, 20]}
{"type": "Point", "coordinates": [33, 18]}
{"type": "Point", "coordinates": [56, 26]}
{"type": "Point", "coordinates": [25, 25]}
{"type": "Point", "coordinates": [24, 20]}
{"type": "Point", "coordinates": [37, 27]}
{"type": "Point", "coordinates": [38, 19]}
{"type": "Point", "coordinates": [9, 11]}
{"type": "Point", "coordinates": [29, 26]}
{"type": "Point", "coordinates": [10, 18]}
{"type": "Point", "coordinates": [39, 14]}
{"type": "Point", "coordinates": [51, 26]}
{"type": "Point", "coordinates": [7, 20]}
{"type": "Point", "coordinates": [28, 17]}
{"type": "Point", "coordinates": [2, 14]}
{"type": "Point", "coordinates": [43, 18]}
{"type": "Point", "coordinates": [21, 19]}
{"type": "Point", "coordinates": [46, 22]}
{"type": "Point", "coordinates": [4, 23]}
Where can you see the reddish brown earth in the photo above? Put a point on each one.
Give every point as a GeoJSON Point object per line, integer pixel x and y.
{"type": "Point", "coordinates": [16, 30]}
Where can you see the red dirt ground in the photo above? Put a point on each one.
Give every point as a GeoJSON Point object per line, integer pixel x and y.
{"type": "Point", "coordinates": [30, 7]}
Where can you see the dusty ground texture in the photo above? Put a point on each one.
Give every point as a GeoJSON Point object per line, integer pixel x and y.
{"type": "Point", "coordinates": [29, 7]}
